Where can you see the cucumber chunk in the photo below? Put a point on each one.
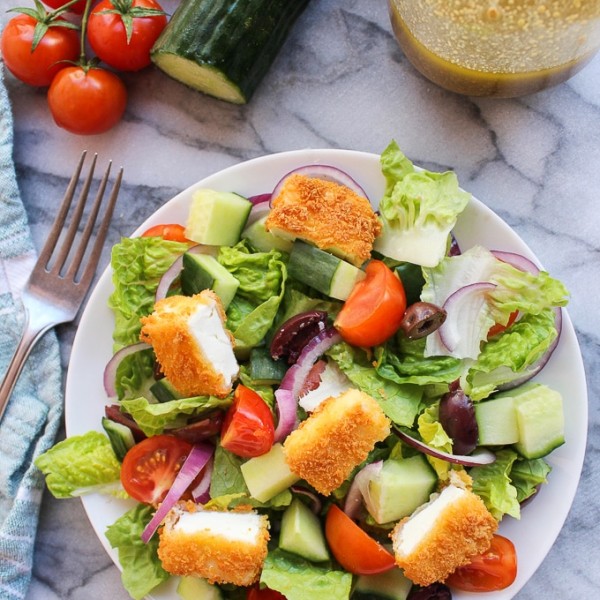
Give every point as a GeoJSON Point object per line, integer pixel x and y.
{"type": "Point", "coordinates": [164, 391]}
{"type": "Point", "coordinates": [391, 585]}
{"type": "Point", "coordinates": [120, 437]}
{"type": "Point", "coordinates": [497, 421]}
{"type": "Point", "coordinates": [196, 588]}
{"type": "Point", "coordinates": [202, 272]}
{"type": "Point", "coordinates": [301, 533]}
{"type": "Point", "coordinates": [401, 487]}
{"type": "Point", "coordinates": [263, 369]}
{"type": "Point", "coordinates": [264, 240]}
{"type": "Point", "coordinates": [217, 218]}
{"type": "Point", "coordinates": [323, 271]}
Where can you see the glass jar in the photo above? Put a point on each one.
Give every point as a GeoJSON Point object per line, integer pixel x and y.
{"type": "Point", "coordinates": [500, 48]}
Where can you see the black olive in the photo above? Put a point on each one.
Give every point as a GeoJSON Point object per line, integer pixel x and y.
{"type": "Point", "coordinates": [435, 591]}
{"type": "Point", "coordinates": [421, 319]}
{"type": "Point", "coordinates": [457, 416]}
{"type": "Point", "coordinates": [295, 333]}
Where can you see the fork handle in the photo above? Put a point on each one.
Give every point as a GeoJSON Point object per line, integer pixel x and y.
{"type": "Point", "coordinates": [31, 334]}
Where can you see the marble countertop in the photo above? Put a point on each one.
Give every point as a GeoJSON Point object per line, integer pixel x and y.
{"type": "Point", "coordinates": [342, 82]}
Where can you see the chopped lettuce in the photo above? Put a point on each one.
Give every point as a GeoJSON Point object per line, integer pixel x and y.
{"type": "Point", "coordinates": [433, 434]}
{"type": "Point", "coordinates": [81, 464]}
{"type": "Point", "coordinates": [142, 569]}
{"type": "Point", "coordinates": [418, 210]}
{"type": "Point", "coordinates": [528, 475]}
{"type": "Point", "coordinates": [298, 579]}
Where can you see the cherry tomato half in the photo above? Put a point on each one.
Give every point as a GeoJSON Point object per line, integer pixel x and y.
{"type": "Point", "coordinates": [499, 328]}
{"type": "Point", "coordinates": [495, 569]}
{"type": "Point", "coordinates": [150, 467]}
{"type": "Point", "coordinates": [248, 429]}
{"type": "Point", "coordinates": [39, 67]}
{"type": "Point", "coordinates": [352, 547]}
{"type": "Point", "coordinates": [108, 37]}
{"type": "Point", "coordinates": [258, 593]}
{"type": "Point", "coordinates": [170, 231]}
{"type": "Point", "coordinates": [373, 311]}
{"type": "Point", "coordinates": [87, 101]}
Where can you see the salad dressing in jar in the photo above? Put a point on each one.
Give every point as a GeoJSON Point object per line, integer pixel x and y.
{"type": "Point", "coordinates": [501, 48]}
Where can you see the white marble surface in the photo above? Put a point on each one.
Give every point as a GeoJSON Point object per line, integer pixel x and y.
{"type": "Point", "coordinates": [342, 82]}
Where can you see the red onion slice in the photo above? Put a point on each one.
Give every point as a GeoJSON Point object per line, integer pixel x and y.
{"type": "Point", "coordinates": [110, 371]}
{"type": "Point", "coordinates": [201, 493]}
{"type": "Point", "coordinates": [518, 261]}
{"type": "Point", "coordinates": [194, 463]}
{"type": "Point", "coordinates": [259, 198]}
{"type": "Point", "coordinates": [462, 308]}
{"type": "Point", "coordinates": [324, 172]}
{"type": "Point", "coordinates": [359, 488]}
{"type": "Point", "coordinates": [258, 211]}
{"type": "Point", "coordinates": [315, 502]}
{"type": "Point", "coordinates": [478, 458]}
{"type": "Point", "coordinates": [286, 413]}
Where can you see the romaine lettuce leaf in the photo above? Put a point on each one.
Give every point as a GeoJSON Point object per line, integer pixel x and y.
{"type": "Point", "coordinates": [298, 579]}
{"type": "Point", "coordinates": [528, 475]}
{"type": "Point", "coordinates": [142, 570]}
{"type": "Point", "coordinates": [433, 434]}
{"type": "Point", "coordinates": [418, 210]}
{"type": "Point", "coordinates": [81, 464]}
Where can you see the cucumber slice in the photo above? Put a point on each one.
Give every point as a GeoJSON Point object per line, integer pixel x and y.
{"type": "Point", "coordinates": [263, 369]}
{"type": "Point", "coordinates": [196, 588]}
{"type": "Point", "coordinates": [264, 240]}
{"type": "Point", "coordinates": [202, 272]}
{"type": "Point", "coordinates": [217, 218]}
{"type": "Point", "coordinates": [391, 585]}
{"type": "Point", "coordinates": [164, 391]}
{"type": "Point", "coordinates": [120, 437]}
{"type": "Point", "coordinates": [497, 422]}
{"type": "Point", "coordinates": [323, 271]}
{"type": "Point", "coordinates": [301, 533]}
{"type": "Point", "coordinates": [412, 280]}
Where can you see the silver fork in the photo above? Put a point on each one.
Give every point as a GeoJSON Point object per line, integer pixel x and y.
{"type": "Point", "coordinates": [60, 279]}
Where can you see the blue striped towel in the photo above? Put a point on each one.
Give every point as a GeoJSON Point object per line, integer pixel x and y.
{"type": "Point", "coordinates": [34, 412]}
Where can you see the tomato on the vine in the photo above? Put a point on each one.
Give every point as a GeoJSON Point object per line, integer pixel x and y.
{"type": "Point", "coordinates": [58, 44]}
{"type": "Point", "coordinates": [352, 547]}
{"type": "Point", "coordinates": [495, 569]}
{"type": "Point", "coordinates": [87, 100]}
{"type": "Point", "coordinates": [374, 309]}
{"type": "Point", "coordinates": [76, 8]}
{"type": "Point", "coordinates": [122, 32]}
{"type": "Point", "coordinates": [150, 467]}
{"type": "Point", "coordinates": [172, 232]}
{"type": "Point", "coordinates": [248, 429]}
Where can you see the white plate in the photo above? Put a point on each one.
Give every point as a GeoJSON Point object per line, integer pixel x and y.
{"type": "Point", "coordinates": [541, 520]}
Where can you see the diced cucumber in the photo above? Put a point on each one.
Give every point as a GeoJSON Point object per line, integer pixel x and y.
{"type": "Point", "coordinates": [164, 391]}
{"type": "Point", "coordinates": [217, 218]}
{"type": "Point", "coordinates": [412, 280]}
{"type": "Point", "coordinates": [401, 487]}
{"type": "Point", "coordinates": [323, 271]}
{"type": "Point", "coordinates": [497, 421]}
{"type": "Point", "coordinates": [301, 533]}
{"type": "Point", "coordinates": [264, 240]}
{"type": "Point", "coordinates": [196, 588]}
{"type": "Point", "coordinates": [540, 420]}
{"type": "Point", "coordinates": [120, 437]}
{"type": "Point", "coordinates": [263, 369]}
{"type": "Point", "coordinates": [268, 475]}
{"type": "Point", "coordinates": [391, 585]}
{"type": "Point", "coordinates": [205, 272]}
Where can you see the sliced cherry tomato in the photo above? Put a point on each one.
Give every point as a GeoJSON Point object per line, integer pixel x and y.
{"type": "Point", "coordinates": [248, 429]}
{"type": "Point", "coordinates": [258, 593]}
{"type": "Point", "coordinates": [108, 35]}
{"type": "Point", "coordinates": [495, 569]}
{"type": "Point", "coordinates": [352, 547]}
{"type": "Point", "coordinates": [373, 311]}
{"type": "Point", "coordinates": [37, 67]}
{"type": "Point", "coordinates": [171, 231]}
{"type": "Point", "coordinates": [150, 467]}
{"type": "Point", "coordinates": [87, 101]}
{"type": "Point", "coordinates": [499, 328]}
{"type": "Point", "coordinates": [76, 8]}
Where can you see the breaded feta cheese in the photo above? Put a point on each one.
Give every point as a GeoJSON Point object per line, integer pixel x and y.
{"type": "Point", "coordinates": [192, 345]}
{"type": "Point", "coordinates": [326, 214]}
{"type": "Point", "coordinates": [442, 535]}
{"type": "Point", "coordinates": [335, 438]}
{"type": "Point", "coordinates": [220, 546]}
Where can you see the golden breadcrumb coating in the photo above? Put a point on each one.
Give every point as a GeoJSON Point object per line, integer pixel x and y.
{"type": "Point", "coordinates": [178, 353]}
{"type": "Point", "coordinates": [335, 438]}
{"type": "Point", "coordinates": [326, 214]}
{"type": "Point", "coordinates": [214, 557]}
{"type": "Point", "coordinates": [461, 530]}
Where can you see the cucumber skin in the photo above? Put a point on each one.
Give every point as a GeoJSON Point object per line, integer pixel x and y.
{"type": "Point", "coordinates": [239, 38]}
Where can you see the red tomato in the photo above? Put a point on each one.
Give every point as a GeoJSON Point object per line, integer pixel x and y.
{"type": "Point", "coordinates": [352, 547]}
{"type": "Point", "coordinates": [107, 34]}
{"type": "Point", "coordinates": [171, 231]}
{"type": "Point", "coordinates": [248, 428]}
{"type": "Point", "coordinates": [495, 569]}
{"type": "Point", "coordinates": [258, 593]}
{"type": "Point", "coordinates": [76, 8]}
{"type": "Point", "coordinates": [373, 311]}
{"type": "Point", "coordinates": [87, 101]}
{"type": "Point", "coordinates": [499, 328]}
{"type": "Point", "coordinates": [40, 66]}
{"type": "Point", "coordinates": [150, 467]}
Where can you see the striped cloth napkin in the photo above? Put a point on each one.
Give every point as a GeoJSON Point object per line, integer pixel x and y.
{"type": "Point", "coordinates": [33, 415]}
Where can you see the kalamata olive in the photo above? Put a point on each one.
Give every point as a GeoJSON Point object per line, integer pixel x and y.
{"type": "Point", "coordinates": [435, 591]}
{"type": "Point", "coordinates": [457, 416]}
{"type": "Point", "coordinates": [294, 334]}
{"type": "Point", "coordinates": [421, 319]}
{"type": "Point", "coordinates": [201, 430]}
